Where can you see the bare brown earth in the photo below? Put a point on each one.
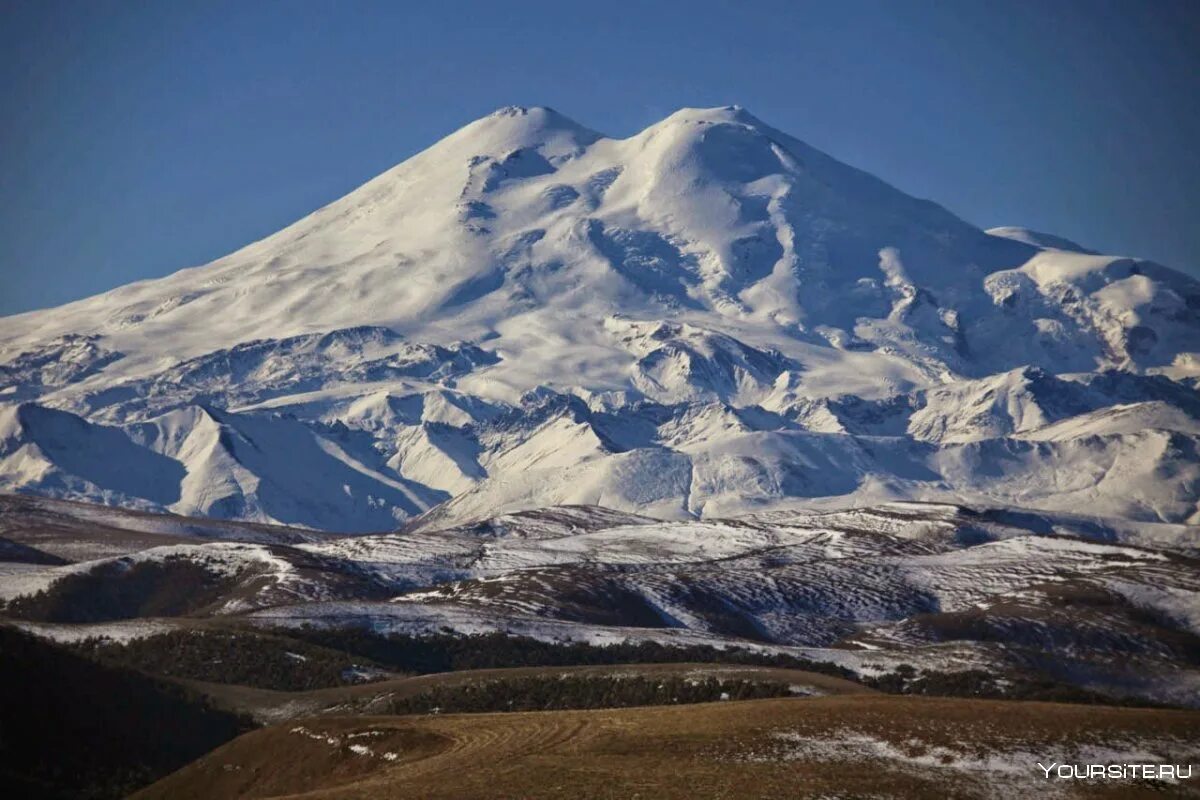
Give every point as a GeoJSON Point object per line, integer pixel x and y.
{"type": "Point", "coordinates": [266, 705]}
{"type": "Point", "coordinates": [853, 745]}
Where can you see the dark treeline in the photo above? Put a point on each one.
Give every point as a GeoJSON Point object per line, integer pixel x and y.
{"type": "Point", "coordinates": [451, 653]}
{"type": "Point", "coordinates": [314, 658]}
{"type": "Point", "coordinates": [905, 679]}
{"type": "Point", "coordinates": [246, 658]}
{"type": "Point", "coordinates": [74, 728]}
{"type": "Point", "coordinates": [118, 591]}
{"type": "Point", "coordinates": [548, 693]}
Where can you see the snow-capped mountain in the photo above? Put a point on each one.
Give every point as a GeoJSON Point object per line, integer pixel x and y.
{"type": "Point", "coordinates": [707, 318]}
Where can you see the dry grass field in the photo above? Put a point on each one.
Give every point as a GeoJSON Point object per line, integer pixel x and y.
{"type": "Point", "coordinates": [851, 745]}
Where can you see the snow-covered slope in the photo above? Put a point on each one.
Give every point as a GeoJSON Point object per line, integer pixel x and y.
{"type": "Point", "coordinates": [706, 318]}
{"type": "Point", "coordinates": [1037, 239]}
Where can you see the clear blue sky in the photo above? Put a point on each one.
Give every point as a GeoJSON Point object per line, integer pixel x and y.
{"type": "Point", "coordinates": [142, 137]}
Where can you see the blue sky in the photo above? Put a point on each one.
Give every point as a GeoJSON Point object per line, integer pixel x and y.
{"type": "Point", "coordinates": [139, 138]}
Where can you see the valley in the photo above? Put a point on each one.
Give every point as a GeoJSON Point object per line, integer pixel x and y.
{"type": "Point", "coordinates": [850, 627]}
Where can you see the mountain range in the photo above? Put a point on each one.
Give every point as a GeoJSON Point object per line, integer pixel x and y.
{"type": "Point", "coordinates": [707, 319]}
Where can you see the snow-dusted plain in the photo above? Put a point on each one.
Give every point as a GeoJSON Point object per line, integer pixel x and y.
{"type": "Point", "coordinates": [707, 319]}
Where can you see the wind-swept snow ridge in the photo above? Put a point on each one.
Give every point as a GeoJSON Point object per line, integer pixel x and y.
{"type": "Point", "coordinates": [708, 317]}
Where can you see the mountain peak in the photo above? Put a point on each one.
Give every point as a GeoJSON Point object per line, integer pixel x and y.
{"type": "Point", "coordinates": [515, 127]}
{"type": "Point", "coordinates": [524, 111]}
{"type": "Point", "coordinates": [1038, 239]}
{"type": "Point", "coordinates": [716, 114]}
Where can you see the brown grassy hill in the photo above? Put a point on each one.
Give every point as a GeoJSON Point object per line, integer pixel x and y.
{"type": "Point", "coordinates": [848, 745]}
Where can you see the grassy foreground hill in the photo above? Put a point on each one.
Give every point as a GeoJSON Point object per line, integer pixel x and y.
{"type": "Point", "coordinates": [845, 746]}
